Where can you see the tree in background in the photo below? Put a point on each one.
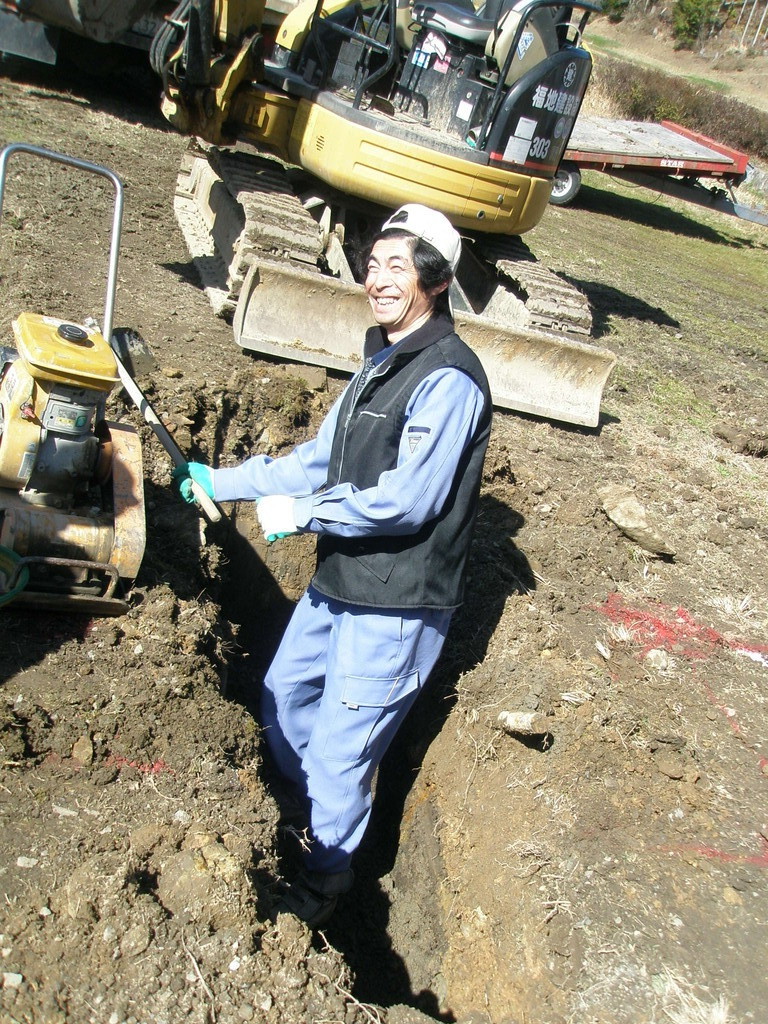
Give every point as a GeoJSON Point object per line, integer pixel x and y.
{"type": "Point", "coordinates": [693, 21]}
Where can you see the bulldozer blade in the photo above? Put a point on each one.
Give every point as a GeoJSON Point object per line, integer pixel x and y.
{"type": "Point", "coordinates": [547, 375]}
{"type": "Point", "coordinates": [530, 371]}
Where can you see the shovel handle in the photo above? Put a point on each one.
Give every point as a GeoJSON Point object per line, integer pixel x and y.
{"type": "Point", "coordinates": [208, 505]}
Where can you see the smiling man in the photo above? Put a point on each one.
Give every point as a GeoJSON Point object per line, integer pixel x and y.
{"type": "Point", "coordinates": [390, 486]}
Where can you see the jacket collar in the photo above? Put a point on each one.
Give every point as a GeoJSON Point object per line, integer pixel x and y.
{"type": "Point", "coordinates": [438, 326]}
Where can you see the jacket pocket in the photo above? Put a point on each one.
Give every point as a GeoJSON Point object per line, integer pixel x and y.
{"type": "Point", "coordinates": [379, 563]}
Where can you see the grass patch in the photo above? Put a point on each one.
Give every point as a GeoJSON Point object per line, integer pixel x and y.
{"type": "Point", "coordinates": [597, 42]}
{"type": "Point", "coordinates": [676, 291]}
{"type": "Point", "coordinates": [677, 400]}
{"type": "Point", "coordinates": [661, 389]}
{"type": "Point", "coordinates": [707, 83]}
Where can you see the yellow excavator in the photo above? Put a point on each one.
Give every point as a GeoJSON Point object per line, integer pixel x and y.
{"type": "Point", "coordinates": [308, 132]}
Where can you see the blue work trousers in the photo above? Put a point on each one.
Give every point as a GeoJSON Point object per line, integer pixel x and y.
{"type": "Point", "coordinates": [336, 693]}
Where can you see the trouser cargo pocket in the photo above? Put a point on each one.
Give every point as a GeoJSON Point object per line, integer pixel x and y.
{"type": "Point", "coordinates": [368, 714]}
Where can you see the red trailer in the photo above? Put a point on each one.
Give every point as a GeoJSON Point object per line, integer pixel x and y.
{"type": "Point", "coordinates": [665, 157]}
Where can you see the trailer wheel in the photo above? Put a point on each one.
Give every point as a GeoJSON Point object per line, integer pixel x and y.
{"type": "Point", "coordinates": [566, 184]}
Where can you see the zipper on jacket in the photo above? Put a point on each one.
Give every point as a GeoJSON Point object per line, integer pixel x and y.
{"type": "Point", "coordinates": [352, 407]}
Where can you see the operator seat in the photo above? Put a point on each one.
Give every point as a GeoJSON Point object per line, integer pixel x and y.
{"type": "Point", "coordinates": [457, 20]}
{"type": "Point", "coordinates": [493, 26]}
{"type": "Point", "coordinates": [538, 41]}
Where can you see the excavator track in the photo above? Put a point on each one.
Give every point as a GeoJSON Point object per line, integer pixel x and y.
{"type": "Point", "coordinates": [235, 206]}
{"type": "Point", "coordinates": [551, 303]}
{"type": "Point", "coordinates": [266, 220]}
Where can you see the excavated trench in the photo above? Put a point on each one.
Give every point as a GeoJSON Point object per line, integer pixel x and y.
{"type": "Point", "coordinates": [406, 939]}
{"type": "Point", "coordinates": [390, 928]}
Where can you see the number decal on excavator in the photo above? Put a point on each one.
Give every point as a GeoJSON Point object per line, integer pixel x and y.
{"type": "Point", "coordinates": [540, 148]}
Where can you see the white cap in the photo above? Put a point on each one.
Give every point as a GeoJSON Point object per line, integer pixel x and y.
{"type": "Point", "coordinates": [430, 225]}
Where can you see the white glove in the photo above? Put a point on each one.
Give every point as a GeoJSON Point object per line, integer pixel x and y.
{"type": "Point", "coordinates": [275, 514]}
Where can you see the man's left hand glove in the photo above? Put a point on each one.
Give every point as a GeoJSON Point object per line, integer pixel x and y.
{"type": "Point", "coordinates": [275, 514]}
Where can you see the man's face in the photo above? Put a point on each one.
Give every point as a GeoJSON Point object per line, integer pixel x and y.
{"type": "Point", "coordinates": [391, 283]}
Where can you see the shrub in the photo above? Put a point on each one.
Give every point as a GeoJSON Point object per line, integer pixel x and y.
{"type": "Point", "coordinates": [615, 9]}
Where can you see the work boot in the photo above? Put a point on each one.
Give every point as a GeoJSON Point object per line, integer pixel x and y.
{"type": "Point", "coordinates": [313, 896]}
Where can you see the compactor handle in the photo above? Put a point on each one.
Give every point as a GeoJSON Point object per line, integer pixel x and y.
{"type": "Point", "coordinates": [117, 216]}
{"type": "Point", "coordinates": [209, 507]}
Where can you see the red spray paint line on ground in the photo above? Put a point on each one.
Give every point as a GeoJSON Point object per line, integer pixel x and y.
{"type": "Point", "coordinates": [759, 860]}
{"type": "Point", "coordinates": [119, 761]}
{"type": "Point", "coordinates": [675, 630]}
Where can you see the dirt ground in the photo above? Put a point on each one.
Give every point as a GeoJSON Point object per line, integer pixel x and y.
{"type": "Point", "coordinates": [612, 871]}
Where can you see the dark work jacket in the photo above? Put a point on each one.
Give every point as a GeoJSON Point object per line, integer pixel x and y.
{"type": "Point", "coordinates": [425, 569]}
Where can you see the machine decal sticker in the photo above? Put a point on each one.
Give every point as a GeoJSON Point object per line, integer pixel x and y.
{"type": "Point", "coordinates": [519, 144]}
{"type": "Point", "coordinates": [464, 110]}
{"type": "Point", "coordinates": [516, 150]}
{"type": "Point", "coordinates": [27, 464]}
{"type": "Point", "coordinates": [525, 41]}
{"type": "Point", "coordinates": [432, 45]}
{"type": "Point", "coordinates": [569, 76]}
{"type": "Point", "coordinates": [526, 128]}
{"type": "Point", "coordinates": [10, 382]}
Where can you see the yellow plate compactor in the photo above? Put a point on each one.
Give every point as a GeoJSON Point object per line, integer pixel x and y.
{"type": "Point", "coordinates": [72, 522]}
